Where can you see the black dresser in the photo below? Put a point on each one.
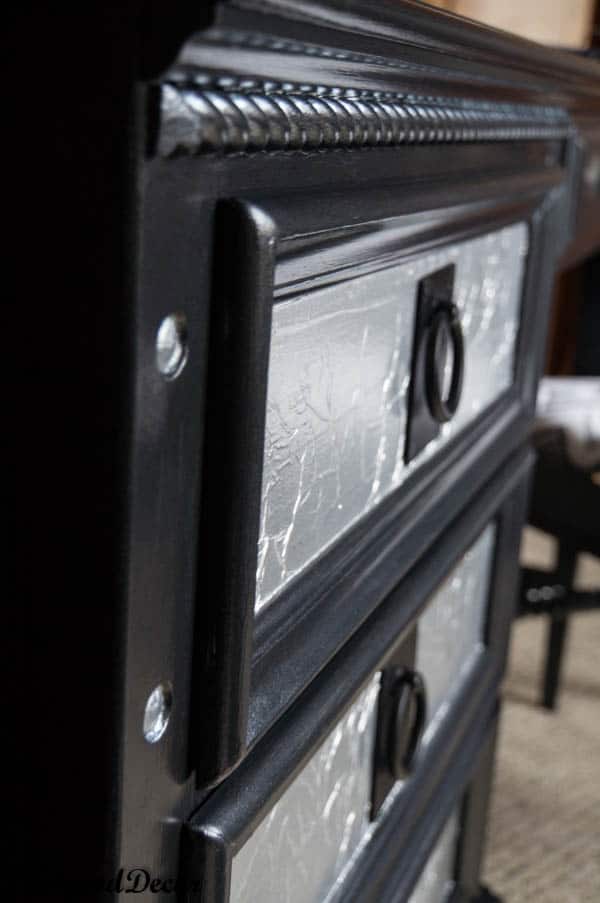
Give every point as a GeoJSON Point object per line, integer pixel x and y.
{"type": "Point", "coordinates": [288, 461]}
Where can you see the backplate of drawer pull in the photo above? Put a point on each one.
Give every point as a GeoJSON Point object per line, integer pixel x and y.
{"type": "Point", "coordinates": [409, 713]}
{"type": "Point", "coordinates": [438, 351]}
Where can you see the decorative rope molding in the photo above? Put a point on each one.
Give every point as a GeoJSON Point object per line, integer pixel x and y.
{"type": "Point", "coordinates": [205, 114]}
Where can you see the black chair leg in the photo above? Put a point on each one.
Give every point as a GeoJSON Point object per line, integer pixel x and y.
{"type": "Point", "coordinates": [486, 896]}
{"type": "Point", "coordinates": [557, 628]}
{"type": "Point", "coordinates": [557, 632]}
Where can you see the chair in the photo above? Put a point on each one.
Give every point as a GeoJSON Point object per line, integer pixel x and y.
{"type": "Point", "coordinates": [565, 502]}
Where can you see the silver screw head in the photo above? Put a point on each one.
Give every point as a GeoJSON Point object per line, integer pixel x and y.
{"type": "Point", "coordinates": [171, 346]}
{"type": "Point", "coordinates": [157, 712]}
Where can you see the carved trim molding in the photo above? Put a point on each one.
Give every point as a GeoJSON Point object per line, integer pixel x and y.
{"type": "Point", "coordinates": [203, 114]}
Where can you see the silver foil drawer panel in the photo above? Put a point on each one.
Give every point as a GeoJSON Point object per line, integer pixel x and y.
{"type": "Point", "coordinates": [450, 633]}
{"type": "Point", "coordinates": [338, 386]}
{"type": "Point", "coordinates": [305, 847]}
{"type": "Point", "coordinates": [301, 847]}
{"type": "Point", "coordinates": [436, 880]}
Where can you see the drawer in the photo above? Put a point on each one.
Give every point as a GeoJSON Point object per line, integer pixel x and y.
{"type": "Point", "coordinates": [450, 873]}
{"type": "Point", "coordinates": [341, 382]}
{"type": "Point", "coordinates": [365, 380]}
{"type": "Point", "coordinates": [308, 846]}
{"type": "Point", "coordinates": [376, 732]}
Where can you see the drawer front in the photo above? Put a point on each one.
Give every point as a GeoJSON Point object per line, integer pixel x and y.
{"type": "Point", "coordinates": [365, 381]}
{"type": "Point", "coordinates": [307, 847]}
{"type": "Point", "coordinates": [338, 392]}
{"type": "Point", "coordinates": [295, 819]}
{"type": "Point", "coordinates": [302, 846]}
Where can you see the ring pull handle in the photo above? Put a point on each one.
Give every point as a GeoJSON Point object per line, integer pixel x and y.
{"type": "Point", "coordinates": [408, 721]}
{"type": "Point", "coordinates": [444, 329]}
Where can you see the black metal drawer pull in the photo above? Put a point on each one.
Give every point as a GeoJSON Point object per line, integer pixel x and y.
{"type": "Point", "coordinates": [409, 702]}
{"type": "Point", "coordinates": [438, 334]}
{"type": "Point", "coordinates": [401, 720]}
{"type": "Point", "coordinates": [444, 329]}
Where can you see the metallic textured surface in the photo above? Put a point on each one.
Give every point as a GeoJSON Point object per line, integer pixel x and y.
{"type": "Point", "coordinates": [205, 114]}
{"type": "Point", "coordinates": [300, 848]}
{"type": "Point", "coordinates": [436, 880]}
{"type": "Point", "coordinates": [450, 631]}
{"type": "Point", "coordinates": [338, 392]}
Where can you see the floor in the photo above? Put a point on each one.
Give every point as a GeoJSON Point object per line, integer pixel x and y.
{"type": "Point", "coordinates": [544, 832]}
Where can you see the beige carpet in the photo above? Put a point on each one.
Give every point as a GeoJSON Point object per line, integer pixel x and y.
{"type": "Point", "coordinates": [544, 832]}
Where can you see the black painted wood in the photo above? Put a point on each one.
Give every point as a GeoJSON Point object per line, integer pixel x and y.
{"type": "Point", "coordinates": [121, 232]}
